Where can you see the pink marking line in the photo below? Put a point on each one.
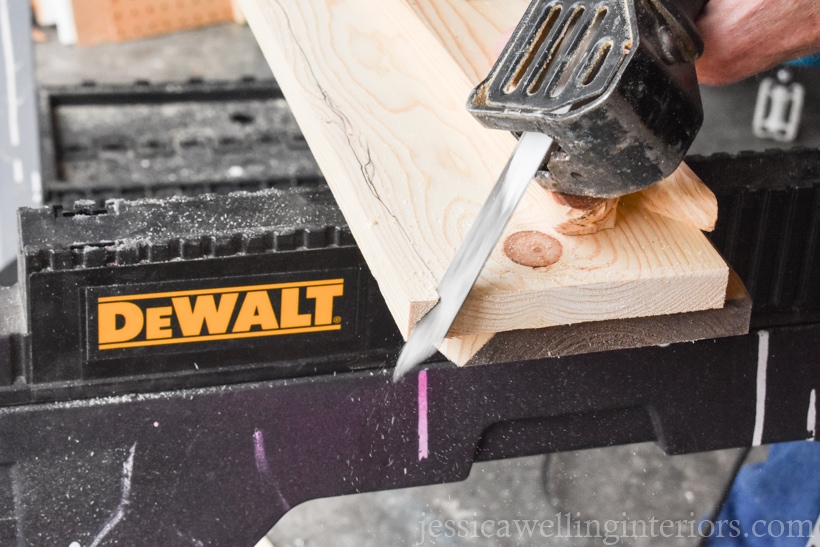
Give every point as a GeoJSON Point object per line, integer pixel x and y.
{"type": "Point", "coordinates": [259, 452]}
{"type": "Point", "coordinates": [423, 452]}
{"type": "Point", "coordinates": [262, 465]}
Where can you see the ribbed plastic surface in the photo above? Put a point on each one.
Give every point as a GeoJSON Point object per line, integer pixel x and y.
{"type": "Point", "coordinates": [769, 228]}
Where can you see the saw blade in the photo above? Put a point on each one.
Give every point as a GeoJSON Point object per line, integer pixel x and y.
{"type": "Point", "coordinates": [474, 251]}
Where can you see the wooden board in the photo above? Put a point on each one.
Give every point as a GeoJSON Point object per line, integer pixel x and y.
{"type": "Point", "coordinates": [381, 103]}
{"type": "Point", "coordinates": [523, 345]}
{"type": "Point", "coordinates": [470, 31]}
{"type": "Point", "coordinates": [682, 196]}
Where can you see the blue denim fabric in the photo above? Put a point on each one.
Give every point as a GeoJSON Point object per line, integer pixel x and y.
{"type": "Point", "coordinates": [786, 487]}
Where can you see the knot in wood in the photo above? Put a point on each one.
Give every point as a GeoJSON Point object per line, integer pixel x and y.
{"type": "Point", "coordinates": [533, 249]}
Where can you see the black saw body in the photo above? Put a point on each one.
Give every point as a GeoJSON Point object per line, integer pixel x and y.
{"type": "Point", "coordinates": [613, 82]}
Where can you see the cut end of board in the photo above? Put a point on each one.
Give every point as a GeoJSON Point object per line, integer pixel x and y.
{"type": "Point", "coordinates": [417, 311]}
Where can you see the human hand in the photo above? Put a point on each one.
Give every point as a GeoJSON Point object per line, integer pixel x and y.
{"type": "Point", "coordinates": [744, 37]}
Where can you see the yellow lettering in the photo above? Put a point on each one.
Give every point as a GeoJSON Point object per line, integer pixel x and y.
{"type": "Point", "coordinates": [291, 318]}
{"type": "Point", "coordinates": [107, 315]}
{"type": "Point", "coordinates": [205, 311]}
{"type": "Point", "coordinates": [158, 323]}
{"type": "Point", "coordinates": [204, 315]}
{"type": "Point", "coordinates": [324, 295]}
{"type": "Point", "coordinates": [256, 310]}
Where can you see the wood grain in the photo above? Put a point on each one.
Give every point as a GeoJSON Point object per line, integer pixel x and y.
{"type": "Point", "coordinates": [470, 31]}
{"type": "Point", "coordinates": [681, 196]}
{"type": "Point", "coordinates": [383, 111]}
{"type": "Point", "coordinates": [381, 103]}
{"type": "Point", "coordinates": [523, 345]}
{"type": "Point", "coordinates": [647, 265]}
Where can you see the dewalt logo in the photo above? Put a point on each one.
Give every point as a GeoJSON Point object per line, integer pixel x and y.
{"type": "Point", "coordinates": [225, 313]}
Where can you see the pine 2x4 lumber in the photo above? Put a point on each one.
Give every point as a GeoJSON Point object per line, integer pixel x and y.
{"type": "Point", "coordinates": [381, 102]}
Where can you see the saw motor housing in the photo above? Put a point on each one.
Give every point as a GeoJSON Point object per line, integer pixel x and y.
{"type": "Point", "coordinates": [612, 81]}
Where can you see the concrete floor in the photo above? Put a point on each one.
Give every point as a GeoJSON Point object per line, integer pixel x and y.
{"type": "Point", "coordinates": [636, 482]}
{"type": "Point", "coordinates": [630, 482]}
